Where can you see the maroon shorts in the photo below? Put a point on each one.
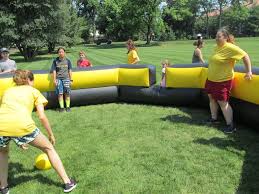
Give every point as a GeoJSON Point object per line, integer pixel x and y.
{"type": "Point", "coordinates": [219, 91]}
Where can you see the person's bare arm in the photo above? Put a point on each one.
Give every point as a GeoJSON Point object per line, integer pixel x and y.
{"type": "Point", "coordinates": [248, 66]}
{"type": "Point", "coordinates": [70, 74]}
{"type": "Point", "coordinates": [54, 74]}
{"type": "Point", "coordinates": [199, 54]}
{"type": "Point", "coordinates": [45, 122]}
{"type": "Point", "coordinates": [7, 71]}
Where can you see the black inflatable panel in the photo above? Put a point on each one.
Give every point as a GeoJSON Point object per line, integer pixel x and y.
{"type": "Point", "coordinates": [159, 96]}
{"type": "Point", "coordinates": [86, 96]}
{"type": "Point", "coordinates": [245, 112]}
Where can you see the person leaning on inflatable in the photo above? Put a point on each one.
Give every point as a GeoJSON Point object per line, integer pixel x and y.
{"type": "Point", "coordinates": [221, 74]}
{"type": "Point", "coordinates": [16, 124]}
{"type": "Point", "coordinates": [62, 77]}
{"type": "Point", "coordinates": [132, 52]}
{"type": "Point", "coordinates": [6, 64]}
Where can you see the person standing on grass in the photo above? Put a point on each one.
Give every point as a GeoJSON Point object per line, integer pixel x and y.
{"type": "Point", "coordinates": [6, 65]}
{"type": "Point", "coordinates": [197, 54]}
{"type": "Point", "coordinates": [132, 52]}
{"type": "Point", "coordinates": [83, 62]}
{"type": "Point", "coordinates": [221, 74]}
{"type": "Point", "coordinates": [16, 124]}
{"type": "Point", "coordinates": [62, 77]}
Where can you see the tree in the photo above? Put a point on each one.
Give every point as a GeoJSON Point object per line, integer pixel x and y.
{"type": "Point", "coordinates": [221, 4]}
{"type": "Point", "coordinates": [63, 25]}
{"type": "Point", "coordinates": [89, 10]}
{"type": "Point", "coordinates": [7, 23]}
{"type": "Point", "coordinates": [252, 25]}
{"type": "Point", "coordinates": [236, 18]}
{"type": "Point", "coordinates": [206, 9]}
{"type": "Point", "coordinates": [30, 22]}
{"type": "Point", "coordinates": [149, 15]}
{"type": "Point", "coordinates": [181, 16]}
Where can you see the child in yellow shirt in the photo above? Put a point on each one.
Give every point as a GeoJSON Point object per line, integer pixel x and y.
{"type": "Point", "coordinates": [17, 124]}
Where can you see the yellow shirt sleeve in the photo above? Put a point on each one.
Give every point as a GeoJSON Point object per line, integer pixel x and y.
{"type": "Point", "coordinates": [236, 52]}
{"type": "Point", "coordinates": [39, 98]}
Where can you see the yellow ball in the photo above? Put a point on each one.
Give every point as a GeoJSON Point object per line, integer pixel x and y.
{"type": "Point", "coordinates": [42, 162]}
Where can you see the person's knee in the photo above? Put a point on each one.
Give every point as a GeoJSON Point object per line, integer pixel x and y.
{"type": "Point", "coordinates": [223, 104]}
{"type": "Point", "coordinates": [47, 148]}
{"type": "Point", "coordinates": [4, 150]}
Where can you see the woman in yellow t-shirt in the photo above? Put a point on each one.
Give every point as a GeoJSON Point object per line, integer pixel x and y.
{"type": "Point", "coordinates": [221, 74]}
{"type": "Point", "coordinates": [16, 124]}
{"type": "Point", "coordinates": [132, 52]}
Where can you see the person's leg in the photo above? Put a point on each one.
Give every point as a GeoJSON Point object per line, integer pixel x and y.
{"type": "Point", "coordinates": [67, 97]}
{"type": "Point", "coordinates": [4, 166]}
{"type": "Point", "coordinates": [43, 144]}
{"type": "Point", "coordinates": [227, 111]}
{"type": "Point", "coordinates": [60, 91]}
{"type": "Point", "coordinates": [61, 101]}
{"type": "Point", "coordinates": [213, 107]}
{"type": "Point", "coordinates": [67, 90]}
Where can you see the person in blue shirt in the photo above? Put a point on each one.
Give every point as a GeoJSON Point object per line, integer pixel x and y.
{"type": "Point", "coordinates": [62, 77]}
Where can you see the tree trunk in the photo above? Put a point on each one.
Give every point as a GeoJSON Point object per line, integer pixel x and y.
{"type": "Point", "coordinates": [21, 49]}
{"type": "Point", "coordinates": [220, 14]}
{"type": "Point", "coordinates": [148, 35]}
{"type": "Point", "coordinates": [51, 47]}
{"type": "Point", "coordinates": [207, 25]}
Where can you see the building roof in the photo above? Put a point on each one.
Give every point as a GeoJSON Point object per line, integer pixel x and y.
{"type": "Point", "coordinates": [248, 4]}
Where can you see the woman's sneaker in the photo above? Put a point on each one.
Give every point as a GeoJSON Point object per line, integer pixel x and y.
{"type": "Point", "coordinates": [230, 129]}
{"type": "Point", "coordinates": [70, 186]}
{"type": "Point", "coordinates": [5, 190]}
{"type": "Point", "coordinates": [211, 121]}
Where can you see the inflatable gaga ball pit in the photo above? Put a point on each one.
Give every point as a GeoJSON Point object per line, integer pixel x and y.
{"type": "Point", "coordinates": [42, 162]}
{"type": "Point", "coordinates": [136, 84]}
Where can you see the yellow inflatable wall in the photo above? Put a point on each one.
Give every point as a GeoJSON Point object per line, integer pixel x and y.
{"type": "Point", "coordinates": [195, 77]}
{"type": "Point", "coordinates": [89, 79]}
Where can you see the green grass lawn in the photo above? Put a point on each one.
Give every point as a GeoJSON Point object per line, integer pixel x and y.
{"type": "Point", "coordinates": [127, 148]}
{"type": "Point", "coordinates": [178, 52]}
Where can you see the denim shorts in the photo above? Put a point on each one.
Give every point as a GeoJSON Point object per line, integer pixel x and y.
{"type": "Point", "coordinates": [4, 140]}
{"type": "Point", "coordinates": [63, 86]}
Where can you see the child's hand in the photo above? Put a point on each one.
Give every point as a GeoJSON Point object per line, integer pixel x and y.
{"type": "Point", "coordinates": [52, 139]}
{"type": "Point", "coordinates": [248, 76]}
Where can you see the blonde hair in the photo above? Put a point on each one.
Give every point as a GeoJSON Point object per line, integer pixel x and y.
{"type": "Point", "coordinates": [230, 37]}
{"type": "Point", "coordinates": [82, 52]}
{"type": "Point", "coordinates": [131, 45]}
{"type": "Point", "coordinates": [21, 77]}
{"type": "Point", "coordinates": [166, 62]}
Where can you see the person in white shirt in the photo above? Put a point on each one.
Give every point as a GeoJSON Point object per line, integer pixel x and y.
{"type": "Point", "coordinates": [6, 65]}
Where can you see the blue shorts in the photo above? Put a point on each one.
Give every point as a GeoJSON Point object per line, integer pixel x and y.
{"type": "Point", "coordinates": [63, 86]}
{"type": "Point", "coordinates": [4, 140]}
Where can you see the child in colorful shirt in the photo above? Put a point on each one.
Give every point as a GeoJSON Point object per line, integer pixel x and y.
{"type": "Point", "coordinates": [62, 77]}
{"type": "Point", "coordinates": [83, 62]}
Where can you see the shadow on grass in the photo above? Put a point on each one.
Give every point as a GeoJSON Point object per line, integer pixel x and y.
{"type": "Point", "coordinates": [15, 179]}
{"type": "Point", "coordinates": [194, 116]}
{"type": "Point", "coordinates": [243, 140]}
